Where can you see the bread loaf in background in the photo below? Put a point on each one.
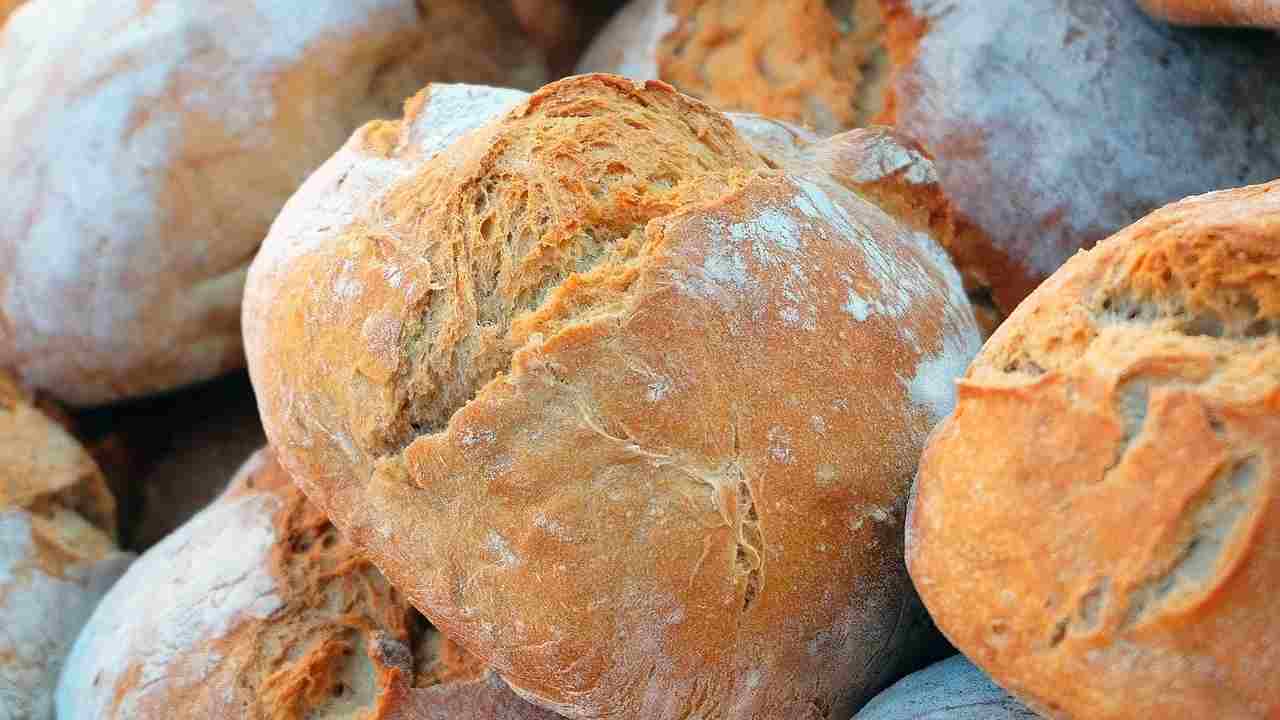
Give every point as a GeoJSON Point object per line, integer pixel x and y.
{"type": "Point", "coordinates": [1249, 13]}
{"type": "Point", "coordinates": [152, 143]}
{"type": "Point", "coordinates": [258, 609]}
{"type": "Point", "coordinates": [57, 554]}
{"type": "Point", "coordinates": [1054, 122]}
{"type": "Point", "coordinates": [1098, 523]}
{"type": "Point", "coordinates": [625, 394]}
{"type": "Point", "coordinates": [953, 689]}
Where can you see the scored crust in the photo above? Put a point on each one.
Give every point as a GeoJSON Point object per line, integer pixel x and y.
{"type": "Point", "coordinates": [1098, 524]}
{"type": "Point", "coordinates": [1249, 13]}
{"type": "Point", "coordinates": [259, 609]}
{"type": "Point", "coordinates": [158, 141]}
{"type": "Point", "coordinates": [574, 380]}
{"type": "Point", "coordinates": [57, 556]}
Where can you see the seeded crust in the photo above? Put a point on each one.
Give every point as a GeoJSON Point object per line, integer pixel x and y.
{"type": "Point", "coordinates": [301, 627]}
{"type": "Point", "coordinates": [57, 555]}
{"type": "Point", "coordinates": [949, 690]}
{"type": "Point", "coordinates": [1098, 524]}
{"type": "Point", "coordinates": [1247, 13]}
{"type": "Point", "coordinates": [159, 140]}
{"type": "Point", "coordinates": [572, 376]}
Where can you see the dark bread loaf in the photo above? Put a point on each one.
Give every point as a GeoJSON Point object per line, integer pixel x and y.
{"type": "Point", "coordinates": [625, 394]}
{"type": "Point", "coordinates": [1098, 523]}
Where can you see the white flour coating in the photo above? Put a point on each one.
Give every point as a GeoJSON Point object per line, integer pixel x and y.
{"type": "Point", "coordinates": [341, 191]}
{"type": "Point", "coordinates": [197, 584]}
{"type": "Point", "coordinates": [40, 616]}
{"type": "Point", "coordinates": [1067, 120]}
{"type": "Point", "coordinates": [953, 689]}
{"type": "Point", "coordinates": [501, 549]}
{"type": "Point", "coordinates": [616, 48]}
{"type": "Point", "coordinates": [886, 156]}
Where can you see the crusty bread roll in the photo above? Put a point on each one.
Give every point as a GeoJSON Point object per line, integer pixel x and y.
{"type": "Point", "coordinates": [57, 556]}
{"type": "Point", "coordinates": [949, 690]}
{"type": "Point", "coordinates": [1055, 122]}
{"type": "Point", "coordinates": [810, 62]}
{"type": "Point", "coordinates": [153, 143]}
{"type": "Point", "coordinates": [1249, 13]}
{"type": "Point", "coordinates": [258, 609]}
{"type": "Point", "coordinates": [1098, 524]}
{"type": "Point", "coordinates": [625, 403]}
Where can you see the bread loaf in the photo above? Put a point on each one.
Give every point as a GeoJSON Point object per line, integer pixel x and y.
{"type": "Point", "coordinates": [7, 7]}
{"type": "Point", "coordinates": [57, 556]}
{"type": "Point", "coordinates": [258, 609]}
{"type": "Point", "coordinates": [625, 403]}
{"type": "Point", "coordinates": [949, 690]}
{"type": "Point", "coordinates": [152, 144]}
{"type": "Point", "coordinates": [1098, 523]}
{"type": "Point", "coordinates": [1055, 122]}
{"type": "Point", "coordinates": [1255, 13]}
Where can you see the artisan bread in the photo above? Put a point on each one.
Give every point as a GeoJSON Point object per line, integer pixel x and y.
{"type": "Point", "coordinates": [626, 404]}
{"type": "Point", "coordinates": [1054, 122]}
{"type": "Point", "coordinates": [57, 556]}
{"type": "Point", "coordinates": [1098, 523]}
{"type": "Point", "coordinates": [949, 690]}
{"type": "Point", "coordinates": [152, 143]}
{"type": "Point", "coordinates": [1249, 13]}
{"type": "Point", "coordinates": [810, 62]}
{"type": "Point", "coordinates": [258, 609]}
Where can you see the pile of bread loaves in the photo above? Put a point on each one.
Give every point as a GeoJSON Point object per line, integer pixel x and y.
{"type": "Point", "coordinates": [657, 360]}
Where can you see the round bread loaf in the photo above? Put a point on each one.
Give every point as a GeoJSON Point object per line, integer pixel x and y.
{"type": "Point", "coordinates": [153, 143]}
{"type": "Point", "coordinates": [1055, 122]}
{"type": "Point", "coordinates": [1249, 13]}
{"type": "Point", "coordinates": [624, 394]}
{"type": "Point", "coordinates": [953, 689]}
{"type": "Point", "coordinates": [259, 609]}
{"type": "Point", "coordinates": [1098, 523]}
{"type": "Point", "coordinates": [57, 556]}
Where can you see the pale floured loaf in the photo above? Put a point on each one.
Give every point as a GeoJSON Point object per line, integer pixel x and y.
{"type": "Point", "coordinates": [150, 144]}
{"type": "Point", "coordinates": [953, 689]}
{"type": "Point", "coordinates": [1098, 523]}
{"type": "Point", "coordinates": [1248, 13]}
{"type": "Point", "coordinates": [1055, 122]}
{"type": "Point", "coordinates": [258, 609]}
{"type": "Point", "coordinates": [626, 395]}
{"type": "Point", "coordinates": [57, 556]}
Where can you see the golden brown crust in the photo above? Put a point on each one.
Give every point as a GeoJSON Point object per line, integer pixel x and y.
{"type": "Point", "coordinates": [1230, 13]}
{"type": "Point", "coordinates": [810, 62]}
{"type": "Point", "coordinates": [301, 626]}
{"type": "Point", "coordinates": [570, 379]}
{"type": "Point", "coordinates": [1097, 524]}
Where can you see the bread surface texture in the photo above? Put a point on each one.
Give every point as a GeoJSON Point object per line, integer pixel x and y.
{"type": "Point", "coordinates": [953, 689]}
{"type": "Point", "coordinates": [259, 609]}
{"type": "Point", "coordinates": [625, 394]}
{"type": "Point", "coordinates": [57, 555]}
{"type": "Point", "coordinates": [809, 62]}
{"type": "Point", "coordinates": [1248, 13]}
{"type": "Point", "coordinates": [1098, 523]}
{"type": "Point", "coordinates": [154, 142]}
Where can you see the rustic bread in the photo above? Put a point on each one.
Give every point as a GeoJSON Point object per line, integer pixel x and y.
{"type": "Point", "coordinates": [627, 405]}
{"type": "Point", "coordinates": [1055, 122]}
{"type": "Point", "coordinates": [949, 690]}
{"type": "Point", "coordinates": [1249, 13]}
{"type": "Point", "coordinates": [258, 609]}
{"type": "Point", "coordinates": [1098, 524]}
{"type": "Point", "coordinates": [57, 556]}
{"type": "Point", "coordinates": [811, 62]}
{"type": "Point", "coordinates": [7, 7]}
{"type": "Point", "coordinates": [157, 140]}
